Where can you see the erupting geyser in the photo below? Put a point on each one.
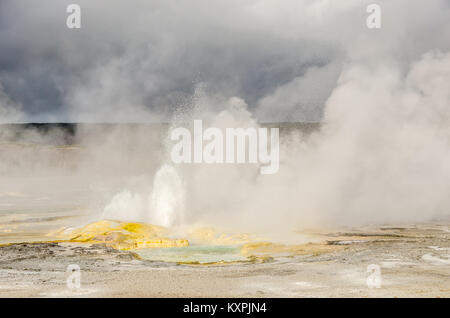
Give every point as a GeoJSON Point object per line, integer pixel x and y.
{"type": "Point", "coordinates": [125, 206]}
{"type": "Point", "coordinates": [167, 201]}
{"type": "Point", "coordinates": [165, 205]}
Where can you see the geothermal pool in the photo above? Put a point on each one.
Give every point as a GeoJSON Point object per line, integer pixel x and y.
{"type": "Point", "coordinates": [194, 254]}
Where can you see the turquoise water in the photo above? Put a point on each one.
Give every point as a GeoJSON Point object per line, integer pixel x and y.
{"type": "Point", "coordinates": [202, 254]}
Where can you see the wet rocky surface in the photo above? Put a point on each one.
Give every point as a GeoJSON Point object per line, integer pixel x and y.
{"type": "Point", "coordinates": [413, 261]}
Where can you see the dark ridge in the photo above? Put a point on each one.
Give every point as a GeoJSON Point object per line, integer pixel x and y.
{"type": "Point", "coordinates": [44, 127]}
{"type": "Point", "coordinates": [71, 127]}
{"type": "Point", "coordinates": [67, 131]}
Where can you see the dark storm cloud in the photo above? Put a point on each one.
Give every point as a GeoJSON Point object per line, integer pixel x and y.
{"type": "Point", "coordinates": [140, 60]}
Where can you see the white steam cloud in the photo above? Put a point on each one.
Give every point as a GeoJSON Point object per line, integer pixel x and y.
{"type": "Point", "coordinates": [382, 98]}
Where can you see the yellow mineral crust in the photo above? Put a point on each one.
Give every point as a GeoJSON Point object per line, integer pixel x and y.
{"type": "Point", "coordinates": [207, 235]}
{"type": "Point", "coordinates": [132, 236]}
{"type": "Point", "coordinates": [125, 236]}
{"type": "Point", "coordinates": [272, 249]}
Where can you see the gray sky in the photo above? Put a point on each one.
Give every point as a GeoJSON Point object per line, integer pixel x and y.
{"type": "Point", "coordinates": [140, 60]}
